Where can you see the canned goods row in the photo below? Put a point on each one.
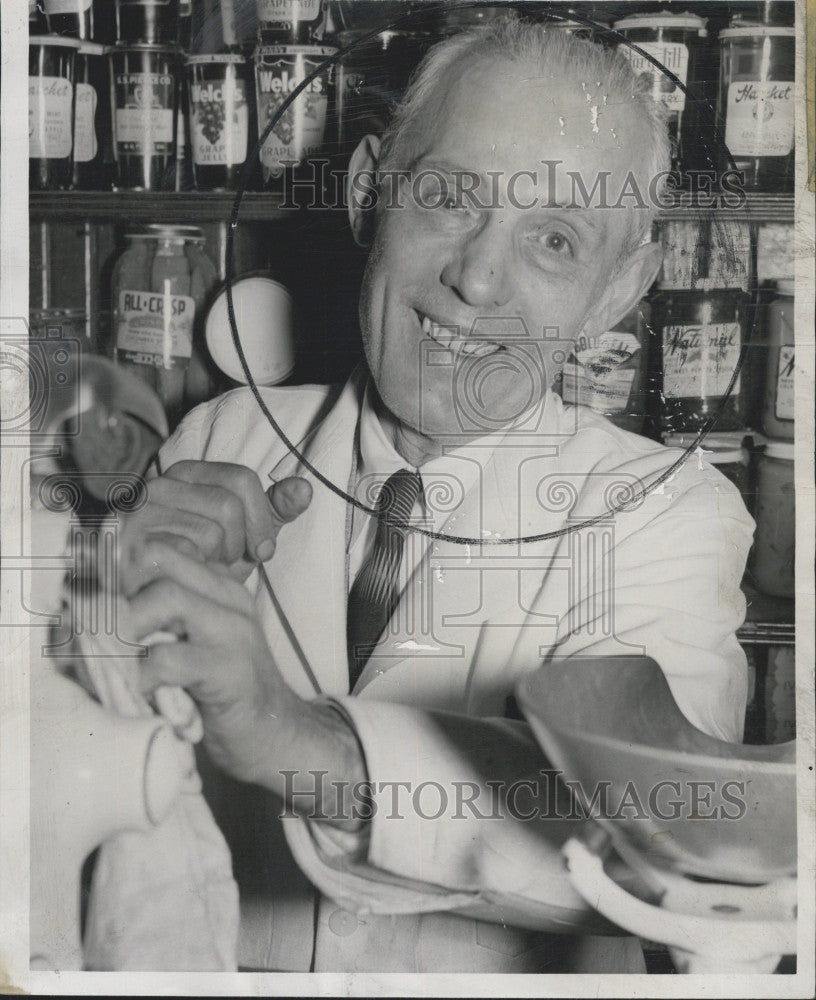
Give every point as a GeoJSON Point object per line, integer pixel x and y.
{"type": "Point", "coordinates": [753, 87]}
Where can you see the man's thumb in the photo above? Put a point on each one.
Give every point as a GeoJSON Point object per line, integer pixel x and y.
{"type": "Point", "coordinates": [290, 497]}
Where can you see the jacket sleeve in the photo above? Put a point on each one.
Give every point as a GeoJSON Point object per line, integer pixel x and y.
{"type": "Point", "coordinates": [675, 596]}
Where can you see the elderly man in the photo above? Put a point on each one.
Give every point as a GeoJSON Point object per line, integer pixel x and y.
{"type": "Point", "coordinates": [329, 644]}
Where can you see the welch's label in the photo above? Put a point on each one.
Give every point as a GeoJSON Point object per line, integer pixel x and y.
{"type": "Point", "coordinates": [299, 132]}
{"type": "Point", "coordinates": [219, 119]}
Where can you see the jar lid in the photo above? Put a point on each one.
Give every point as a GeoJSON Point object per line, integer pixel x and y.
{"type": "Point", "coordinates": [747, 30]}
{"type": "Point", "coordinates": [66, 43]}
{"type": "Point", "coordinates": [92, 48]}
{"type": "Point", "coordinates": [159, 231]}
{"type": "Point", "coordinates": [718, 449]}
{"type": "Point", "coordinates": [663, 19]}
{"type": "Point", "coordinates": [780, 449]}
{"type": "Point", "coordinates": [231, 58]}
{"type": "Point", "coordinates": [786, 286]}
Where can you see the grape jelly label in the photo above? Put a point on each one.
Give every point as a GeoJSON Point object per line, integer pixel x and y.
{"type": "Point", "coordinates": [144, 112]}
{"type": "Point", "coordinates": [288, 11]}
{"type": "Point", "coordinates": [698, 361]}
{"type": "Point", "coordinates": [155, 329]}
{"type": "Point", "coordinates": [85, 145]}
{"type": "Point", "coordinates": [759, 118]}
{"type": "Point", "coordinates": [784, 383]}
{"type": "Point", "coordinates": [674, 57]}
{"type": "Point", "coordinates": [299, 132]}
{"type": "Point", "coordinates": [50, 101]}
{"type": "Point", "coordinates": [220, 122]}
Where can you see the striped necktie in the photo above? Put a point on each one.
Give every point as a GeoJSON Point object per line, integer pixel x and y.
{"type": "Point", "coordinates": [375, 591]}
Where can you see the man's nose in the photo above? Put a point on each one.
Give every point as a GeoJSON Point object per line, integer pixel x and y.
{"type": "Point", "coordinates": [479, 268]}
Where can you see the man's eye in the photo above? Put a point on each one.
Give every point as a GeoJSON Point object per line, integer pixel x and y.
{"type": "Point", "coordinates": [557, 243]}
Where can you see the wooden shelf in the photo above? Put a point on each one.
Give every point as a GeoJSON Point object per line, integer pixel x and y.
{"type": "Point", "coordinates": [210, 206]}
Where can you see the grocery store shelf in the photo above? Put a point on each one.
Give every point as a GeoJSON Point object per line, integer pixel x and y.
{"type": "Point", "coordinates": [256, 206]}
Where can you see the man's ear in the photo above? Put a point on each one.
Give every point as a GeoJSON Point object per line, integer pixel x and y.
{"type": "Point", "coordinates": [628, 286]}
{"type": "Point", "coordinates": [362, 189]}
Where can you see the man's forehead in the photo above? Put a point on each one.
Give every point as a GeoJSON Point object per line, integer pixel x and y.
{"type": "Point", "coordinates": [519, 113]}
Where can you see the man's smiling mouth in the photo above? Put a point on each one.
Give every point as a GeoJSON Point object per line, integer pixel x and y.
{"type": "Point", "coordinates": [449, 338]}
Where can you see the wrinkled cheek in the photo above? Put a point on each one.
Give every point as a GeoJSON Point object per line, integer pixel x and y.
{"type": "Point", "coordinates": [496, 390]}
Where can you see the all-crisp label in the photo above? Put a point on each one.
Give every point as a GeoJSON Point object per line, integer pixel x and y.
{"type": "Point", "coordinates": [784, 383]}
{"type": "Point", "coordinates": [67, 6]}
{"type": "Point", "coordinates": [698, 361]}
{"type": "Point", "coordinates": [155, 329]}
{"type": "Point", "coordinates": [288, 11]}
{"type": "Point", "coordinates": [144, 112]}
{"type": "Point", "coordinates": [50, 109]}
{"type": "Point", "coordinates": [85, 145]}
{"type": "Point", "coordinates": [299, 133]}
{"type": "Point", "coordinates": [760, 118]}
{"type": "Point", "coordinates": [219, 138]}
{"type": "Point", "coordinates": [598, 374]}
{"type": "Point", "coordinates": [675, 57]}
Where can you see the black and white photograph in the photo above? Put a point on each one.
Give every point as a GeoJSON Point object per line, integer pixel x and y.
{"type": "Point", "coordinates": [407, 493]}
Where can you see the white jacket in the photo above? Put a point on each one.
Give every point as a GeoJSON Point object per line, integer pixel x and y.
{"type": "Point", "coordinates": [471, 622]}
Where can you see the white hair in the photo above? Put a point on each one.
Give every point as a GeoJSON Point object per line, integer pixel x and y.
{"type": "Point", "coordinates": [519, 41]}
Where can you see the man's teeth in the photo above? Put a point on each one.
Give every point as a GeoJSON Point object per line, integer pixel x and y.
{"type": "Point", "coordinates": [448, 337]}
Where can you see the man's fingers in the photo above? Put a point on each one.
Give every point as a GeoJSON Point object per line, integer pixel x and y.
{"type": "Point", "coordinates": [212, 582]}
{"type": "Point", "coordinates": [259, 523]}
{"type": "Point", "coordinates": [287, 500]}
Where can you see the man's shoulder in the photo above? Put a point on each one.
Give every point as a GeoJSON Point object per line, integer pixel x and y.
{"type": "Point", "coordinates": [235, 427]}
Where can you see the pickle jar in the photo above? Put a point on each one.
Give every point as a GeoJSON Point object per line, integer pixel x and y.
{"type": "Point", "coordinates": [697, 344]}
{"type": "Point", "coordinates": [778, 399]}
{"type": "Point", "coordinates": [160, 287]}
{"type": "Point", "coordinates": [775, 538]}
{"type": "Point", "coordinates": [756, 105]}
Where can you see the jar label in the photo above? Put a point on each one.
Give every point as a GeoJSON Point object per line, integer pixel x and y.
{"type": "Point", "coordinates": [595, 376]}
{"type": "Point", "coordinates": [299, 133]}
{"type": "Point", "coordinates": [674, 56]}
{"type": "Point", "coordinates": [67, 6]}
{"type": "Point", "coordinates": [144, 112]}
{"type": "Point", "coordinates": [155, 329]}
{"type": "Point", "coordinates": [50, 107]}
{"type": "Point", "coordinates": [784, 383]}
{"type": "Point", "coordinates": [288, 11]}
{"type": "Point", "coordinates": [85, 146]}
{"type": "Point", "coordinates": [760, 118]}
{"type": "Point", "coordinates": [698, 361]}
{"type": "Point", "coordinates": [220, 120]}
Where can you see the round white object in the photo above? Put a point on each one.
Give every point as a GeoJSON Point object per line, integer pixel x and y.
{"type": "Point", "coordinates": [263, 317]}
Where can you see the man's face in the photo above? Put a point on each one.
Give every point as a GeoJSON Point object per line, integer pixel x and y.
{"type": "Point", "coordinates": [456, 299]}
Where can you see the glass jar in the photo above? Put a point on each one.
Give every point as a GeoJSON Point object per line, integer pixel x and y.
{"type": "Point", "coordinates": [695, 350]}
{"type": "Point", "coordinates": [780, 695]}
{"type": "Point", "coordinates": [292, 22]}
{"type": "Point", "coordinates": [607, 373]}
{"type": "Point", "coordinates": [90, 20]}
{"type": "Point", "coordinates": [51, 75]}
{"type": "Point", "coordinates": [727, 453]}
{"type": "Point", "coordinates": [674, 40]}
{"type": "Point", "coordinates": [145, 92]}
{"type": "Point", "coordinates": [778, 399]}
{"type": "Point", "coordinates": [775, 539]}
{"type": "Point", "coordinates": [93, 154]}
{"type": "Point", "coordinates": [147, 22]}
{"type": "Point", "coordinates": [219, 119]}
{"type": "Point", "coordinates": [300, 132]}
{"type": "Point", "coordinates": [160, 287]}
{"type": "Point", "coordinates": [371, 78]}
{"type": "Point", "coordinates": [757, 101]}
